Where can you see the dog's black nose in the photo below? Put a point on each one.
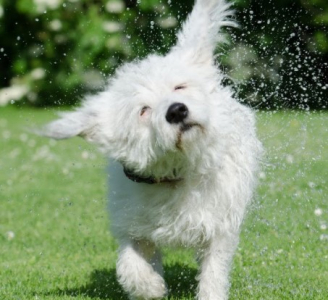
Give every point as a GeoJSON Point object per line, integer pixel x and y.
{"type": "Point", "coordinates": [176, 113]}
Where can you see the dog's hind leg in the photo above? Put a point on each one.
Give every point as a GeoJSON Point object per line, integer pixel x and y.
{"type": "Point", "coordinates": [215, 266]}
{"type": "Point", "coordinates": [139, 270]}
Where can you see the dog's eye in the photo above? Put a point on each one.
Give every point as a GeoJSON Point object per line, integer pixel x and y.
{"type": "Point", "coordinates": [144, 109]}
{"type": "Point", "coordinates": [180, 87]}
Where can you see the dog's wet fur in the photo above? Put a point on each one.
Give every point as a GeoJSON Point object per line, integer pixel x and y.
{"type": "Point", "coordinates": [170, 117]}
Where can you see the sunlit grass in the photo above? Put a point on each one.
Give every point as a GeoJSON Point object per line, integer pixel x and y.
{"type": "Point", "coordinates": [54, 239]}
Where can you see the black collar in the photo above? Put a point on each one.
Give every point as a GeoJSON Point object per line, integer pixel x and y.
{"type": "Point", "coordinates": [150, 180]}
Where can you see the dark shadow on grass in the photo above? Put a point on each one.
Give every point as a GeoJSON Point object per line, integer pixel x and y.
{"type": "Point", "coordinates": [102, 284]}
{"type": "Point", "coordinates": [180, 280]}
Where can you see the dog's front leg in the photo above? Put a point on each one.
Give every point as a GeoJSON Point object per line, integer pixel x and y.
{"type": "Point", "coordinates": [139, 270]}
{"type": "Point", "coordinates": [215, 262]}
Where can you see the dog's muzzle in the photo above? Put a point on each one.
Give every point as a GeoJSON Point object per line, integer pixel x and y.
{"type": "Point", "coordinates": [178, 113]}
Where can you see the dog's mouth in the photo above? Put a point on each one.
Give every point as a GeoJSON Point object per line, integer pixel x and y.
{"type": "Point", "coordinates": [187, 126]}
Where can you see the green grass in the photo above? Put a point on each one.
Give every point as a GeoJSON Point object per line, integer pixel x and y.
{"type": "Point", "coordinates": [53, 199]}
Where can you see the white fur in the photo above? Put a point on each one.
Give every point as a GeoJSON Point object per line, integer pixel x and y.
{"type": "Point", "coordinates": [216, 160]}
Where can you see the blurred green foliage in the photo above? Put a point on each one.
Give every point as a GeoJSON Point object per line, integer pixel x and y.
{"type": "Point", "coordinates": [54, 51]}
{"type": "Point", "coordinates": [280, 55]}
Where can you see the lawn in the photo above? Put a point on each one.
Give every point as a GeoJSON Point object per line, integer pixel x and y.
{"type": "Point", "coordinates": [54, 239]}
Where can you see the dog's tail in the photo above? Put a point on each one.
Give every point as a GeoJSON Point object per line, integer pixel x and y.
{"type": "Point", "coordinates": [202, 29]}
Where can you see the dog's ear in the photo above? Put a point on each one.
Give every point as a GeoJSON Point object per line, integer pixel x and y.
{"type": "Point", "coordinates": [201, 32]}
{"type": "Point", "coordinates": [70, 124]}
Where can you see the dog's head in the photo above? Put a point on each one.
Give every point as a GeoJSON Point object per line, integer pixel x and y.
{"type": "Point", "coordinates": [157, 113]}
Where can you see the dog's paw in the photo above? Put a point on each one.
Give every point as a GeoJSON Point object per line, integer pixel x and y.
{"type": "Point", "coordinates": [141, 283]}
{"type": "Point", "coordinates": [153, 288]}
{"type": "Point", "coordinates": [211, 295]}
{"type": "Point", "coordinates": [150, 294]}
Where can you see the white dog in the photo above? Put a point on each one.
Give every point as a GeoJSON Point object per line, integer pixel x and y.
{"type": "Point", "coordinates": [183, 153]}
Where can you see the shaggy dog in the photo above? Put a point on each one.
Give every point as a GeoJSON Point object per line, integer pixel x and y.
{"type": "Point", "coordinates": [183, 154]}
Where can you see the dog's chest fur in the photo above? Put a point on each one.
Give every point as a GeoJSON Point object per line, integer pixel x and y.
{"type": "Point", "coordinates": [179, 214]}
